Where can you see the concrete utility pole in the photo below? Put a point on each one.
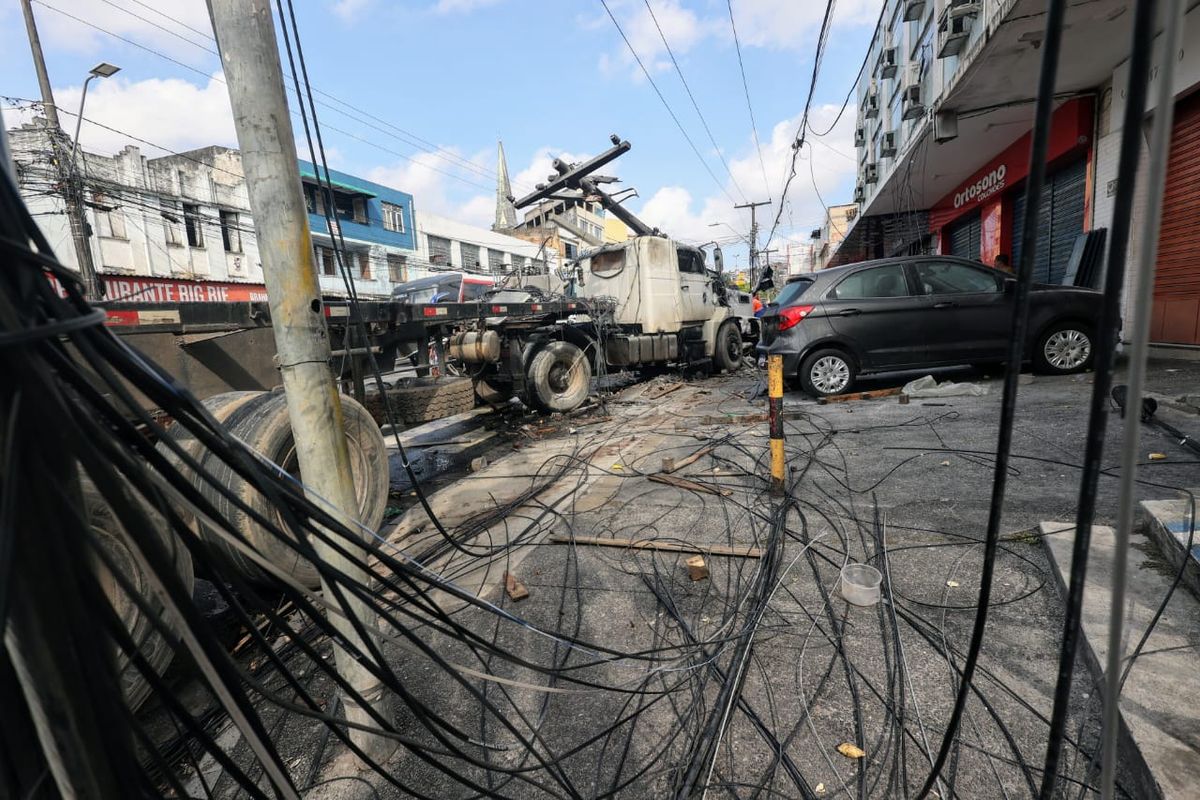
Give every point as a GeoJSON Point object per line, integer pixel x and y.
{"type": "Point", "coordinates": [753, 238]}
{"type": "Point", "coordinates": [246, 40]}
{"type": "Point", "coordinates": [68, 178]}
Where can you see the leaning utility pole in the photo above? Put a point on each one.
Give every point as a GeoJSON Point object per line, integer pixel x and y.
{"type": "Point", "coordinates": [249, 53]}
{"type": "Point", "coordinates": [753, 238]}
{"type": "Point", "coordinates": [68, 177]}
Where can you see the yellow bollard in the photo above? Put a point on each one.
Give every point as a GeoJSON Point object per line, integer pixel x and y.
{"type": "Point", "coordinates": [775, 408]}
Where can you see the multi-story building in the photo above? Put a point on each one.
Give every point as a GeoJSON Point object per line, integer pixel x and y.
{"type": "Point", "coordinates": [944, 118]}
{"type": "Point", "coordinates": [838, 220]}
{"type": "Point", "coordinates": [446, 244]}
{"type": "Point", "coordinates": [375, 223]}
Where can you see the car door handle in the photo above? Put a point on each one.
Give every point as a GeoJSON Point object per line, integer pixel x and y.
{"type": "Point", "coordinates": [848, 312]}
{"type": "Point", "coordinates": [686, 288]}
{"type": "Point", "coordinates": [945, 304]}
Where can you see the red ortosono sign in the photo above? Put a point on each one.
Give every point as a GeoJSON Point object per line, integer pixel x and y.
{"type": "Point", "coordinates": [1070, 129]}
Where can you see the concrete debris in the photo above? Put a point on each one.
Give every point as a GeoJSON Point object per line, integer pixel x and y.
{"type": "Point", "coordinates": [850, 750]}
{"type": "Point", "coordinates": [697, 569]}
{"type": "Point", "coordinates": [478, 463]}
{"type": "Point", "coordinates": [515, 589]}
{"type": "Point", "coordinates": [929, 387]}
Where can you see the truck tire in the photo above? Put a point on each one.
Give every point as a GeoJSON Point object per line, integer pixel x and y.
{"type": "Point", "coordinates": [262, 423]}
{"type": "Point", "coordinates": [493, 392]}
{"type": "Point", "coordinates": [112, 536]}
{"type": "Point", "coordinates": [559, 377]}
{"type": "Point", "coordinates": [727, 352]}
{"type": "Point", "coordinates": [417, 400]}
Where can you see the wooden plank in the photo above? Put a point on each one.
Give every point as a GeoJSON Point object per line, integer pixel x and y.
{"type": "Point", "coordinates": [871, 395]}
{"type": "Point", "coordinates": [692, 459]}
{"type": "Point", "coordinates": [660, 391]}
{"type": "Point", "coordinates": [651, 544]}
{"type": "Point", "coordinates": [744, 419]}
{"type": "Point", "coordinates": [691, 486]}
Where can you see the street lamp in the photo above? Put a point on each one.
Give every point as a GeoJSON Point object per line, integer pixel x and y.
{"type": "Point", "coordinates": [101, 70]}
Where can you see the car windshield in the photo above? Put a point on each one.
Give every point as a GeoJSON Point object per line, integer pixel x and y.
{"type": "Point", "coordinates": [792, 292]}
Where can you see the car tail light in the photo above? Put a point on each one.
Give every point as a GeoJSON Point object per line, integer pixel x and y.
{"type": "Point", "coordinates": [792, 315]}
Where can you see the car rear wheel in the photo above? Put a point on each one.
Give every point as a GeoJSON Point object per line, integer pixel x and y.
{"type": "Point", "coordinates": [827, 372]}
{"type": "Point", "coordinates": [1064, 348]}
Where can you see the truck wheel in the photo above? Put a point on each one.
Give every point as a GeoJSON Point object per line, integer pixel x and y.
{"type": "Point", "coordinates": [727, 355]}
{"type": "Point", "coordinates": [112, 536]}
{"type": "Point", "coordinates": [262, 423]}
{"type": "Point", "coordinates": [559, 377]}
{"type": "Point", "coordinates": [417, 400]}
{"type": "Point", "coordinates": [493, 392]}
{"type": "Point", "coordinates": [827, 372]}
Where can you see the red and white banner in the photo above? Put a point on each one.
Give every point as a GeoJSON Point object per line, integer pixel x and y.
{"type": "Point", "coordinates": [121, 289]}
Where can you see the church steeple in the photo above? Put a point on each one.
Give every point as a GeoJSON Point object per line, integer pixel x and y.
{"type": "Point", "coordinates": [506, 212]}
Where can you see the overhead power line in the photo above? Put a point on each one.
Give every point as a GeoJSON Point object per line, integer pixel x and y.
{"type": "Point", "coordinates": [666, 105]}
{"type": "Point", "coordinates": [695, 105]}
{"type": "Point", "coordinates": [749, 106]}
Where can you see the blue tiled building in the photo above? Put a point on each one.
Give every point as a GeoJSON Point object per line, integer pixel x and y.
{"type": "Point", "coordinates": [375, 221]}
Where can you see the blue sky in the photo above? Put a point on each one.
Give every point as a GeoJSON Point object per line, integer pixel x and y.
{"type": "Point", "coordinates": [442, 80]}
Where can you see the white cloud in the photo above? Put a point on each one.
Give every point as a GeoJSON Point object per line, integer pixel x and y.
{"type": "Point", "coordinates": [349, 10]}
{"type": "Point", "coordinates": [164, 24]}
{"type": "Point", "coordinates": [787, 24]}
{"type": "Point", "coordinates": [462, 6]}
{"type": "Point", "coordinates": [683, 217]}
{"type": "Point", "coordinates": [777, 24]}
{"type": "Point", "coordinates": [175, 114]}
{"type": "Point", "coordinates": [427, 177]}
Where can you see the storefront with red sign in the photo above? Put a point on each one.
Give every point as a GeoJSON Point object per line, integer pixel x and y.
{"type": "Point", "coordinates": [131, 289]}
{"type": "Point", "coordinates": [982, 218]}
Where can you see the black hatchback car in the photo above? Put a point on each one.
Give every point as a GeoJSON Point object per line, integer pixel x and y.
{"type": "Point", "coordinates": [916, 312]}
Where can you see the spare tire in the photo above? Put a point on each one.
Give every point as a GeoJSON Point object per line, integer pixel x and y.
{"type": "Point", "coordinates": [559, 377]}
{"type": "Point", "coordinates": [262, 423]}
{"type": "Point", "coordinates": [112, 536]}
{"type": "Point", "coordinates": [417, 400]}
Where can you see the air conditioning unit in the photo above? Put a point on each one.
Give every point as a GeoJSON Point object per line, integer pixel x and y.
{"type": "Point", "coordinates": [913, 9]}
{"type": "Point", "coordinates": [954, 28]}
{"type": "Point", "coordinates": [885, 65]}
{"type": "Point", "coordinates": [870, 102]}
{"type": "Point", "coordinates": [871, 172]}
{"type": "Point", "coordinates": [963, 8]}
{"type": "Point", "coordinates": [887, 144]}
{"type": "Point", "coordinates": [860, 136]}
{"type": "Point", "coordinates": [860, 194]}
{"type": "Point", "coordinates": [911, 103]}
{"type": "Point", "coordinates": [945, 126]}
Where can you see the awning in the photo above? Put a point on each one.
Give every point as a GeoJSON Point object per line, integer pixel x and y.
{"type": "Point", "coordinates": [311, 177]}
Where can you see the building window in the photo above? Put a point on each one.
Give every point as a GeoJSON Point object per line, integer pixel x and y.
{"type": "Point", "coordinates": [171, 218]}
{"type": "Point", "coordinates": [110, 222]}
{"type": "Point", "coordinates": [326, 260]}
{"type": "Point", "coordinates": [397, 268]}
{"type": "Point", "coordinates": [393, 217]}
{"type": "Point", "coordinates": [193, 225]}
{"type": "Point", "coordinates": [569, 250]}
{"type": "Point", "coordinates": [350, 208]}
{"type": "Point", "coordinates": [439, 251]}
{"type": "Point", "coordinates": [231, 235]}
{"type": "Point", "coordinates": [470, 256]}
{"type": "Point", "coordinates": [314, 199]}
{"type": "Point", "coordinates": [495, 260]}
{"type": "Point", "coordinates": [364, 264]}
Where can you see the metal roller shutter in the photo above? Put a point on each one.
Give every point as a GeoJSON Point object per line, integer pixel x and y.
{"type": "Point", "coordinates": [1176, 317]}
{"type": "Point", "coordinates": [1059, 221]}
{"type": "Point", "coordinates": [964, 236]}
